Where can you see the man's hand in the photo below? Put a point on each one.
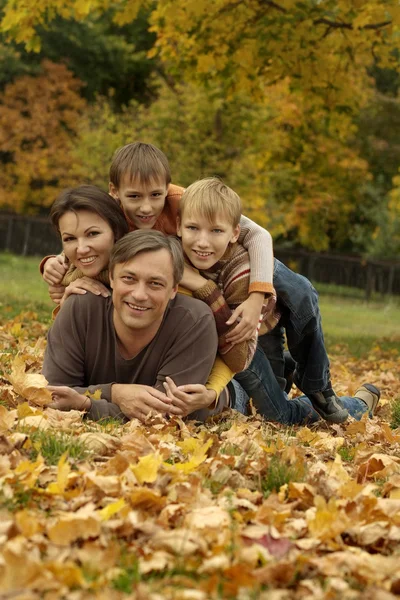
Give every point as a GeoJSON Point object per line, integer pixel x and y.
{"type": "Point", "coordinates": [137, 401]}
{"type": "Point", "coordinates": [65, 398]}
{"type": "Point", "coordinates": [192, 280]}
{"type": "Point", "coordinates": [189, 397]}
{"type": "Point", "coordinates": [54, 269]}
{"type": "Point", "coordinates": [249, 313]}
{"type": "Point", "coordinates": [83, 285]}
{"type": "Point", "coordinates": [56, 293]}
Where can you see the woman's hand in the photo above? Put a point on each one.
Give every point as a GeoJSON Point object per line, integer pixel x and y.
{"type": "Point", "coordinates": [192, 280]}
{"type": "Point", "coordinates": [249, 314]}
{"type": "Point", "coordinates": [83, 285]}
{"type": "Point", "coordinates": [189, 397]}
{"type": "Point", "coordinates": [65, 398]}
{"type": "Point", "coordinates": [54, 269]}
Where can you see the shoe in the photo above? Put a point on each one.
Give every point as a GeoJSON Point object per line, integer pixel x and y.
{"type": "Point", "coordinates": [369, 394]}
{"type": "Point", "coordinates": [327, 405]}
{"type": "Point", "coordinates": [290, 366]}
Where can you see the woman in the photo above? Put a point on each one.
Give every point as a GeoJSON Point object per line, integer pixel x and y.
{"type": "Point", "coordinates": [89, 222]}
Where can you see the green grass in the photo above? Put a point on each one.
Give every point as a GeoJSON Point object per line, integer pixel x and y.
{"type": "Point", "coordinates": [278, 473]}
{"type": "Point", "coordinates": [359, 324]}
{"type": "Point", "coordinates": [395, 416]}
{"type": "Point", "coordinates": [52, 445]}
{"type": "Point", "coordinates": [22, 287]}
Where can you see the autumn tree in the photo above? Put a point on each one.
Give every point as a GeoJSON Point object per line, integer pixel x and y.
{"type": "Point", "coordinates": [294, 160]}
{"type": "Point", "coordinates": [301, 184]}
{"type": "Point", "coordinates": [38, 121]}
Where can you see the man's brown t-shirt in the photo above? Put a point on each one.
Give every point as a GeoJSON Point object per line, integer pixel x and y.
{"type": "Point", "coordinates": [82, 350]}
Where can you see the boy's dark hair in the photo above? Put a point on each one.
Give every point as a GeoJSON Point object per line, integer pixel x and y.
{"type": "Point", "coordinates": [93, 199]}
{"type": "Point", "coordinates": [143, 240]}
{"type": "Point", "coordinates": [141, 161]}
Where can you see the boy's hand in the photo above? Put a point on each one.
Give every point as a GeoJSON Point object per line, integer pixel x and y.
{"type": "Point", "coordinates": [65, 398]}
{"type": "Point", "coordinates": [83, 285]}
{"type": "Point", "coordinates": [55, 269]}
{"type": "Point", "coordinates": [56, 293]}
{"type": "Point", "coordinates": [249, 313]}
{"type": "Point", "coordinates": [192, 280]}
{"type": "Point", "coordinates": [189, 397]}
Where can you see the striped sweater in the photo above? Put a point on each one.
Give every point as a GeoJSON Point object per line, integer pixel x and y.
{"type": "Point", "coordinates": [226, 288]}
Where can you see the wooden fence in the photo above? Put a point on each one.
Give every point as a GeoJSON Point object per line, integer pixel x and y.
{"type": "Point", "coordinates": [35, 236]}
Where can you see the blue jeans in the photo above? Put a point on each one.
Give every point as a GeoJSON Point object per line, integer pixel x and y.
{"type": "Point", "coordinates": [260, 384]}
{"type": "Point", "coordinates": [301, 320]}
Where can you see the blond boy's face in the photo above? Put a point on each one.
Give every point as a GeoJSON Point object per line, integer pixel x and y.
{"type": "Point", "coordinates": [142, 203]}
{"type": "Point", "coordinates": [203, 242]}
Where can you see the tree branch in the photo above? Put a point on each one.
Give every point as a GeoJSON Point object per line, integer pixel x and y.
{"type": "Point", "coordinates": [336, 25]}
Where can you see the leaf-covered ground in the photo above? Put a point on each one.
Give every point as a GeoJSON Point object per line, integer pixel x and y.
{"type": "Point", "coordinates": [237, 508]}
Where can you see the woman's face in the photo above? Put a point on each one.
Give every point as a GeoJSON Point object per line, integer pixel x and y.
{"type": "Point", "coordinates": [87, 240]}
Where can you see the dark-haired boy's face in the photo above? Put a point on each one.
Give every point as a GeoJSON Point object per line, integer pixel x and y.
{"type": "Point", "coordinates": [142, 203]}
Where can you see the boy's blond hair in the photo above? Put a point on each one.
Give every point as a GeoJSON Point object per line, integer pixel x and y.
{"type": "Point", "coordinates": [139, 161]}
{"type": "Point", "coordinates": [212, 198]}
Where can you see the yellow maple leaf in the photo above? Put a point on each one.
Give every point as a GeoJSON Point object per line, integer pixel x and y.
{"type": "Point", "coordinates": [199, 455]}
{"type": "Point", "coordinates": [109, 511]}
{"type": "Point", "coordinates": [95, 396]}
{"type": "Point", "coordinates": [63, 470]}
{"type": "Point", "coordinates": [147, 468]}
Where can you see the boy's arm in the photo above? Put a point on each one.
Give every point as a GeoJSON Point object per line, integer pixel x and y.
{"type": "Point", "coordinates": [238, 356]}
{"type": "Point", "coordinates": [219, 377]}
{"type": "Point", "coordinates": [258, 243]}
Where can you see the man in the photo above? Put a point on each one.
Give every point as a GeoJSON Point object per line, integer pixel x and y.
{"type": "Point", "coordinates": [127, 345]}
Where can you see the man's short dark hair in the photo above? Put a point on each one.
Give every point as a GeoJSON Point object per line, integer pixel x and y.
{"type": "Point", "coordinates": [144, 240]}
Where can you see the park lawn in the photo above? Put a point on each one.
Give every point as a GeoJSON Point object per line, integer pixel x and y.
{"type": "Point", "coordinates": [22, 287]}
{"type": "Point", "coordinates": [360, 325]}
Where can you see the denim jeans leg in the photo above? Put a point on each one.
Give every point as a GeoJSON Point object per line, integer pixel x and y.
{"type": "Point", "coordinates": [298, 301]}
{"type": "Point", "coordinates": [272, 344]}
{"type": "Point", "coordinates": [270, 401]}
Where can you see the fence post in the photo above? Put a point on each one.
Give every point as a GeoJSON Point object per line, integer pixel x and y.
{"type": "Point", "coordinates": [9, 234]}
{"type": "Point", "coordinates": [389, 290]}
{"type": "Point", "coordinates": [26, 239]}
{"type": "Point", "coordinates": [370, 282]}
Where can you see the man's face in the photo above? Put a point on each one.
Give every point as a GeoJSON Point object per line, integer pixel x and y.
{"type": "Point", "coordinates": [142, 288]}
{"type": "Point", "coordinates": [205, 242]}
{"type": "Point", "coordinates": [142, 202]}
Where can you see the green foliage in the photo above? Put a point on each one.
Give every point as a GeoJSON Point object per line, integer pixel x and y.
{"type": "Point", "coordinates": [279, 472]}
{"type": "Point", "coordinates": [395, 413]}
{"type": "Point", "coordinates": [346, 453]}
{"type": "Point", "coordinates": [53, 444]}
